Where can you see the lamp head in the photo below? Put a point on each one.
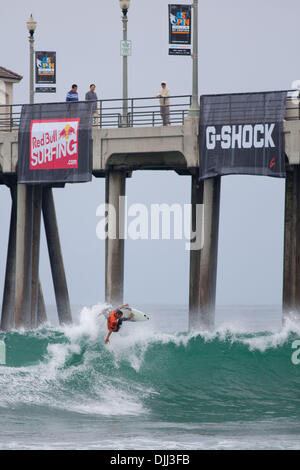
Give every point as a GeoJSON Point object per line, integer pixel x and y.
{"type": "Point", "coordinates": [31, 25]}
{"type": "Point", "coordinates": [124, 5]}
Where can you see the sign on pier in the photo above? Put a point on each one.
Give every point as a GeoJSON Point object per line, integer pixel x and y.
{"type": "Point", "coordinates": [179, 29]}
{"type": "Point", "coordinates": [55, 143]}
{"type": "Point", "coordinates": [242, 134]}
{"type": "Point", "coordinates": [45, 72]}
{"type": "Point", "coordinates": [126, 47]}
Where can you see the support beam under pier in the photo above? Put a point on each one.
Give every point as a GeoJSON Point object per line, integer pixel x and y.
{"type": "Point", "coordinates": [41, 309]}
{"type": "Point", "coordinates": [114, 257]}
{"type": "Point", "coordinates": [36, 286]}
{"type": "Point", "coordinates": [291, 262]}
{"type": "Point", "coordinates": [23, 256]}
{"type": "Point", "coordinates": [8, 304]}
{"type": "Point", "coordinates": [203, 263]}
{"type": "Point", "coordinates": [56, 259]}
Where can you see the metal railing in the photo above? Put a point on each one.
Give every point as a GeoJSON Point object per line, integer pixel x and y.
{"type": "Point", "coordinates": [109, 113]}
{"type": "Point", "coordinates": [10, 117]}
{"type": "Point", "coordinates": [141, 112]}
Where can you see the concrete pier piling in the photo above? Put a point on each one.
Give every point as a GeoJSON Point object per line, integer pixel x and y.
{"type": "Point", "coordinates": [22, 295]}
{"type": "Point", "coordinates": [41, 309]}
{"type": "Point", "coordinates": [23, 256]}
{"type": "Point", "coordinates": [35, 286]}
{"type": "Point", "coordinates": [56, 258]}
{"type": "Point", "coordinates": [8, 304]}
{"type": "Point", "coordinates": [291, 260]}
{"type": "Point", "coordinates": [114, 258]}
{"type": "Point", "coordinates": [203, 263]}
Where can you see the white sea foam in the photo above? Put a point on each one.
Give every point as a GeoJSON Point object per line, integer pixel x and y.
{"type": "Point", "coordinates": [90, 323]}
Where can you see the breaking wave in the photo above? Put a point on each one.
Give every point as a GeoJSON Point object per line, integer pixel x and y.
{"type": "Point", "coordinates": [224, 374]}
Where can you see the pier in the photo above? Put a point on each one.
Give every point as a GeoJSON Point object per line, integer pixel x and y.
{"type": "Point", "coordinates": [118, 148]}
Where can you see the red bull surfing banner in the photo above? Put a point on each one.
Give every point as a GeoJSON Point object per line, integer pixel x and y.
{"type": "Point", "coordinates": [54, 144]}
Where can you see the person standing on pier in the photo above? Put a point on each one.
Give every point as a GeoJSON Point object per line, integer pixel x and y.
{"type": "Point", "coordinates": [92, 96]}
{"type": "Point", "coordinates": [164, 101]}
{"type": "Point", "coordinates": [72, 95]}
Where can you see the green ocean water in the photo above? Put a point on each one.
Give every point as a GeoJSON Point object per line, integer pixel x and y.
{"type": "Point", "coordinates": [150, 388]}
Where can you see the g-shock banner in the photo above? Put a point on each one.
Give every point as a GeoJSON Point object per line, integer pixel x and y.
{"type": "Point", "coordinates": [242, 134]}
{"type": "Point", "coordinates": [55, 144]}
{"type": "Point", "coordinates": [179, 29]}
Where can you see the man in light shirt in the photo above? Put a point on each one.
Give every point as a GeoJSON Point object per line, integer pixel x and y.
{"type": "Point", "coordinates": [92, 96]}
{"type": "Point", "coordinates": [164, 101]}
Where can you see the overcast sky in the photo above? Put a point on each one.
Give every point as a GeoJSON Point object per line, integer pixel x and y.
{"type": "Point", "coordinates": [243, 46]}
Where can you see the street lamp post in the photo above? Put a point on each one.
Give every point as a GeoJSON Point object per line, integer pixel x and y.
{"type": "Point", "coordinates": [32, 197]}
{"type": "Point", "coordinates": [31, 26]}
{"type": "Point", "coordinates": [194, 110]}
{"type": "Point", "coordinates": [124, 5]}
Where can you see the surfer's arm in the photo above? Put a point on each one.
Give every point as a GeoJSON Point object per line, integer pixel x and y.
{"type": "Point", "coordinates": [107, 337]}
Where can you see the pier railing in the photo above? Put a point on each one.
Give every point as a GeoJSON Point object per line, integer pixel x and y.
{"type": "Point", "coordinates": [138, 112]}
{"type": "Point", "coordinates": [110, 112]}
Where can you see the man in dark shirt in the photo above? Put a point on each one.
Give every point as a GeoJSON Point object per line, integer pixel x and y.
{"type": "Point", "coordinates": [72, 95]}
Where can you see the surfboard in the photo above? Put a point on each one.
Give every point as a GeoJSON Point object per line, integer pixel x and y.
{"type": "Point", "coordinates": [138, 315]}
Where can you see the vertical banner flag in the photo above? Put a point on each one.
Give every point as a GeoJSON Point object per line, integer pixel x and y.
{"type": "Point", "coordinates": [242, 133]}
{"type": "Point", "coordinates": [180, 29]}
{"type": "Point", "coordinates": [45, 72]}
{"type": "Point", "coordinates": [55, 143]}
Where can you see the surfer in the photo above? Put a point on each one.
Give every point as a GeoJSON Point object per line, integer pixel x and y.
{"type": "Point", "coordinates": [115, 320]}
